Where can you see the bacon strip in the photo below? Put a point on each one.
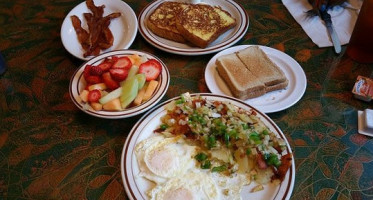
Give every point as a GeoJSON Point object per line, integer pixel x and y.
{"type": "Point", "coordinates": [99, 37]}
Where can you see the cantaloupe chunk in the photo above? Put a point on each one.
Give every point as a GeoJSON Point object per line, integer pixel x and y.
{"type": "Point", "coordinates": [150, 89]}
{"type": "Point", "coordinates": [96, 106]}
{"type": "Point", "coordinates": [113, 105]}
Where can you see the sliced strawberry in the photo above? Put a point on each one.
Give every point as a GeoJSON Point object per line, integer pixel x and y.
{"type": "Point", "coordinates": [123, 62]}
{"type": "Point", "coordinates": [151, 68]}
{"type": "Point", "coordinates": [109, 82]}
{"type": "Point", "coordinates": [119, 74]}
{"type": "Point", "coordinates": [93, 79]}
{"type": "Point", "coordinates": [94, 95]}
{"type": "Point", "coordinates": [96, 71]}
{"type": "Point", "coordinates": [105, 66]}
{"type": "Point", "coordinates": [87, 71]}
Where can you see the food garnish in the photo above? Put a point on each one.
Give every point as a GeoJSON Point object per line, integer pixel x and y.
{"type": "Point", "coordinates": [99, 36]}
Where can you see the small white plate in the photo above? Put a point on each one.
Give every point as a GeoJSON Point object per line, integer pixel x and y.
{"type": "Point", "coordinates": [137, 186]}
{"type": "Point", "coordinates": [225, 40]}
{"type": "Point", "coordinates": [77, 84]}
{"type": "Point", "coordinates": [123, 28]}
{"type": "Point", "coordinates": [273, 101]}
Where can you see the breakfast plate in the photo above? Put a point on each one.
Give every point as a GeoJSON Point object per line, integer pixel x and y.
{"type": "Point", "coordinates": [225, 40]}
{"type": "Point", "coordinates": [136, 186]}
{"type": "Point", "coordinates": [273, 101]}
{"type": "Point", "coordinates": [78, 84]}
{"type": "Point", "coordinates": [123, 28]}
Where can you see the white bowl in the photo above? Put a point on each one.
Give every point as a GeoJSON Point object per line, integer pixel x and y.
{"type": "Point", "coordinates": [77, 85]}
{"type": "Point", "coordinates": [123, 28]}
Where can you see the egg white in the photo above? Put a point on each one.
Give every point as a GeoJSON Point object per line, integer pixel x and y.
{"type": "Point", "coordinates": [190, 186]}
{"type": "Point", "coordinates": [161, 158]}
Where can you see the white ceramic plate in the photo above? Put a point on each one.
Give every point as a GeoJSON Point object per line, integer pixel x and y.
{"type": "Point", "coordinates": [273, 101]}
{"type": "Point", "coordinates": [225, 40]}
{"type": "Point", "coordinates": [137, 186]}
{"type": "Point", "coordinates": [77, 84]}
{"type": "Point", "coordinates": [123, 28]}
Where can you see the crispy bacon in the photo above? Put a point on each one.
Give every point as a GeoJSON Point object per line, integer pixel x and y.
{"type": "Point", "coordinates": [99, 37]}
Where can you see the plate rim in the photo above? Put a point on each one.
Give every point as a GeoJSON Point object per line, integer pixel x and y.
{"type": "Point", "coordinates": [156, 97]}
{"type": "Point", "coordinates": [194, 51]}
{"type": "Point", "coordinates": [131, 16]}
{"type": "Point", "coordinates": [301, 77]}
{"type": "Point", "coordinates": [160, 108]}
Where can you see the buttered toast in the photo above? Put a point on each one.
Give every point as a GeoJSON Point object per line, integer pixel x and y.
{"type": "Point", "coordinates": [201, 24]}
{"type": "Point", "coordinates": [249, 73]}
{"type": "Point", "coordinates": [162, 21]}
{"type": "Point", "coordinates": [253, 57]}
{"type": "Point", "coordinates": [242, 83]}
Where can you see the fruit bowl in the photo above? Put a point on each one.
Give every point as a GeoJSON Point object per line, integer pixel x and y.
{"type": "Point", "coordinates": [119, 84]}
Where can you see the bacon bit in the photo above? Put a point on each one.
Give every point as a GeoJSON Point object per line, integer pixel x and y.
{"type": "Point", "coordinates": [260, 160]}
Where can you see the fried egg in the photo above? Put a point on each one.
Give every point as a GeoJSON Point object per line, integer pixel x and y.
{"type": "Point", "coordinates": [190, 186]}
{"type": "Point", "coordinates": [161, 158]}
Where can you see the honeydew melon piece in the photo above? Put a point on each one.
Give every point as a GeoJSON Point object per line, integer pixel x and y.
{"type": "Point", "coordinates": [141, 78]}
{"type": "Point", "coordinates": [129, 91]}
{"type": "Point", "coordinates": [111, 95]}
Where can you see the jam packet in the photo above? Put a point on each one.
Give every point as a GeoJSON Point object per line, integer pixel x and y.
{"type": "Point", "coordinates": [363, 88]}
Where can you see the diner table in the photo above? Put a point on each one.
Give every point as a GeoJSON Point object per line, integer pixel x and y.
{"type": "Point", "coordinates": [50, 149]}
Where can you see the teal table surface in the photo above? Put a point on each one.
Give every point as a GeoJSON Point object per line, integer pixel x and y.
{"type": "Point", "coordinates": [49, 149]}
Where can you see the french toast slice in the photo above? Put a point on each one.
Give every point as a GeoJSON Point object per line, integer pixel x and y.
{"type": "Point", "coordinates": [201, 24]}
{"type": "Point", "coordinates": [162, 21]}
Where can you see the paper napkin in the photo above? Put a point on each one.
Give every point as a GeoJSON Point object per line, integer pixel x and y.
{"type": "Point", "coordinates": [343, 18]}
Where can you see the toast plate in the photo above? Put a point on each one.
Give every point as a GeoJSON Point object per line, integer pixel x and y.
{"type": "Point", "coordinates": [123, 28]}
{"type": "Point", "coordinates": [77, 85]}
{"type": "Point", "coordinates": [223, 41]}
{"type": "Point", "coordinates": [136, 186]}
{"type": "Point", "coordinates": [273, 101]}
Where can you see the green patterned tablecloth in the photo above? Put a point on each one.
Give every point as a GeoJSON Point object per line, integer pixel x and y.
{"type": "Point", "coordinates": [49, 149]}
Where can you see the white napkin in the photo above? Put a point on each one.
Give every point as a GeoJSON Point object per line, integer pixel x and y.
{"type": "Point", "coordinates": [343, 19]}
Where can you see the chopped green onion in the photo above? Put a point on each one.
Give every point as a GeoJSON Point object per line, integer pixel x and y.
{"type": "Point", "coordinates": [245, 126]}
{"type": "Point", "coordinates": [226, 139]}
{"type": "Point", "coordinates": [265, 132]}
{"type": "Point", "coordinates": [272, 159]}
{"type": "Point", "coordinates": [219, 169]}
{"type": "Point", "coordinates": [201, 157]}
{"type": "Point", "coordinates": [211, 141]}
{"type": "Point", "coordinates": [164, 126]}
{"type": "Point", "coordinates": [248, 151]}
{"type": "Point", "coordinates": [206, 164]}
{"type": "Point", "coordinates": [254, 136]}
{"type": "Point", "coordinates": [181, 100]}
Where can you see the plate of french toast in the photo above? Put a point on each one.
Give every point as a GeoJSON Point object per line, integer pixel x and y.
{"type": "Point", "coordinates": [266, 78]}
{"type": "Point", "coordinates": [190, 28]}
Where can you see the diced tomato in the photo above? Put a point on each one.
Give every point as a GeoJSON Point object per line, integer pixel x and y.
{"type": "Point", "coordinates": [151, 68]}
{"type": "Point", "coordinates": [119, 74]}
{"type": "Point", "coordinates": [93, 79]}
{"type": "Point", "coordinates": [123, 62]}
{"type": "Point", "coordinates": [109, 82]}
{"type": "Point", "coordinates": [261, 162]}
{"type": "Point", "coordinates": [94, 95]}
